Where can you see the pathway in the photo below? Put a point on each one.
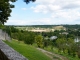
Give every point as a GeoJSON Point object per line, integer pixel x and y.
{"type": "Point", "coordinates": [53, 56]}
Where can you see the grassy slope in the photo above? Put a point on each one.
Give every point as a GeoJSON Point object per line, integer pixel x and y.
{"type": "Point", "coordinates": [28, 51]}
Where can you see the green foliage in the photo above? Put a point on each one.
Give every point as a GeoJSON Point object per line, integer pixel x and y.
{"type": "Point", "coordinates": [65, 44]}
{"type": "Point", "coordinates": [61, 44]}
{"type": "Point", "coordinates": [13, 30]}
{"type": "Point", "coordinates": [39, 40]}
{"type": "Point", "coordinates": [29, 38]}
{"type": "Point", "coordinates": [71, 46]}
{"type": "Point", "coordinates": [1, 26]}
{"type": "Point", "coordinates": [27, 1]}
{"type": "Point", "coordinates": [78, 48]}
{"type": "Point", "coordinates": [6, 29]}
{"type": "Point", "coordinates": [46, 42]}
{"type": "Point", "coordinates": [20, 35]}
{"type": "Point", "coordinates": [5, 10]}
{"type": "Point", "coordinates": [14, 35]}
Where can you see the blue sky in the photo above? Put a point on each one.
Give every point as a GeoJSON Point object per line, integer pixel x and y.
{"type": "Point", "coordinates": [45, 12]}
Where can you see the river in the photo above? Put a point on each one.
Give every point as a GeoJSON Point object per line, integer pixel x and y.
{"type": "Point", "coordinates": [77, 39]}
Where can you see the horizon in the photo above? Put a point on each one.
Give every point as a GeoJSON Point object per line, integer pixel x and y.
{"type": "Point", "coordinates": [44, 25]}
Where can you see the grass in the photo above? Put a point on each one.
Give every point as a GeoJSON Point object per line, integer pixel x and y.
{"type": "Point", "coordinates": [55, 50]}
{"type": "Point", "coordinates": [28, 51]}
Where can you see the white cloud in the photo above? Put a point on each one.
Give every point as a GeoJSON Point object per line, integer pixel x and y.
{"type": "Point", "coordinates": [69, 14]}
{"type": "Point", "coordinates": [46, 6]}
{"type": "Point", "coordinates": [29, 22]}
{"type": "Point", "coordinates": [40, 8]}
{"type": "Point", "coordinates": [63, 11]}
{"type": "Point", "coordinates": [16, 22]}
{"type": "Point", "coordinates": [58, 2]}
{"type": "Point", "coordinates": [44, 1]}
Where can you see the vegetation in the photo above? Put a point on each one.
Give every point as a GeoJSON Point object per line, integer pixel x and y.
{"type": "Point", "coordinates": [39, 40]}
{"type": "Point", "coordinates": [5, 10]}
{"type": "Point", "coordinates": [28, 51]}
{"type": "Point", "coordinates": [27, 1]}
{"type": "Point", "coordinates": [64, 44]}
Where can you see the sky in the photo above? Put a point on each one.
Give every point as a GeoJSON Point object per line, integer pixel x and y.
{"type": "Point", "coordinates": [45, 12]}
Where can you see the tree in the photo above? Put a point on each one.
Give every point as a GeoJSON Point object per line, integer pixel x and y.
{"type": "Point", "coordinates": [29, 38]}
{"type": "Point", "coordinates": [13, 29]}
{"type": "Point", "coordinates": [78, 48]}
{"type": "Point", "coordinates": [70, 46]}
{"type": "Point", "coordinates": [46, 41]}
{"type": "Point", "coordinates": [15, 35]}
{"type": "Point", "coordinates": [5, 9]}
{"type": "Point", "coordinates": [20, 36]}
{"type": "Point", "coordinates": [27, 1]}
{"type": "Point", "coordinates": [39, 40]}
{"type": "Point", "coordinates": [61, 44]}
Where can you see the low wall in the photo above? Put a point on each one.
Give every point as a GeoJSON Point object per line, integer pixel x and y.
{"type": "Point", "coordinates": [3, 56]}
{"type": "Point", "coordinates": [4, 35]}
{"type": "Point", "coordinates": [7, 53]}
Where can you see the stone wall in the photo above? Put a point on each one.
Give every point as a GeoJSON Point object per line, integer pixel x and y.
{"type": "Point", "coordinates": [4, 35]}
{"type": "Point", "coordinates": [3, 56]}
{"type": "Point", "coordinates": [7, 53]}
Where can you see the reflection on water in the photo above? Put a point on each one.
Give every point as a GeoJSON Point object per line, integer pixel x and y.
{"type": "Point", "coordinates": [77, 38]}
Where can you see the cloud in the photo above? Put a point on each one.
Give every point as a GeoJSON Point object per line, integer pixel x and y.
{"type": "Point", "coordinates": [40, 8]}
{"type": "Point", "coordinates": [63, 11]}
{"type": "Point", "coordinates": [69, 14]}
{"type": "Point", "coordinates": [42, 21]}
{"type": "Point", "coordinates": [44, 1]}
{"type": "Point", "coordinates": [49, 5]}
{"type": "Point", "coordinates": [71, 6]}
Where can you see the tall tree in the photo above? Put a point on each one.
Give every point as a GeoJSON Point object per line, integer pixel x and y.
{"type": "Point", "coordinates": [39, 40]}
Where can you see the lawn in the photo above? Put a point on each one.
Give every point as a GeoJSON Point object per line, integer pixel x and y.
{"type": "Point", "coordinates": [28, 51]}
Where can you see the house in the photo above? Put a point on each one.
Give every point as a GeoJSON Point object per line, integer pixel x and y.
{"type": "Point", "coordinates": [53, 37]}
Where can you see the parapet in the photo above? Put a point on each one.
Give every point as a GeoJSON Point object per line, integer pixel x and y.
{"type": "Point", "coordinates": [7, 53]}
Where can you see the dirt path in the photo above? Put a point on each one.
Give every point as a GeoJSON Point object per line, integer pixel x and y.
{"type": "Point", "coordinates": [53, 56]}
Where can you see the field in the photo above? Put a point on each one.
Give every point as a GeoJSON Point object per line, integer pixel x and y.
{"type": "Point", "coordinates": [28, 51]}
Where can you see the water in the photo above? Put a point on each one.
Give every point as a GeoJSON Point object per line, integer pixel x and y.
{"type": "Point", "coordinates": [77, 39]}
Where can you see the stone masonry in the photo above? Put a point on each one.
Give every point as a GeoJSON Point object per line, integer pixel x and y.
{"type": "Point", "coordinates": [9, 53]}
{"type": "Point", "coordinates": [4, 35]}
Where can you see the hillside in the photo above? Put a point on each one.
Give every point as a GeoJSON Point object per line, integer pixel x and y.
{"type": "Point", "coordinates": [28, 51]}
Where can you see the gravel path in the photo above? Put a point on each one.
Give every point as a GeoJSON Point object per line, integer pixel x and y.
{"type": "Point", "coordinates": [53, 56]}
